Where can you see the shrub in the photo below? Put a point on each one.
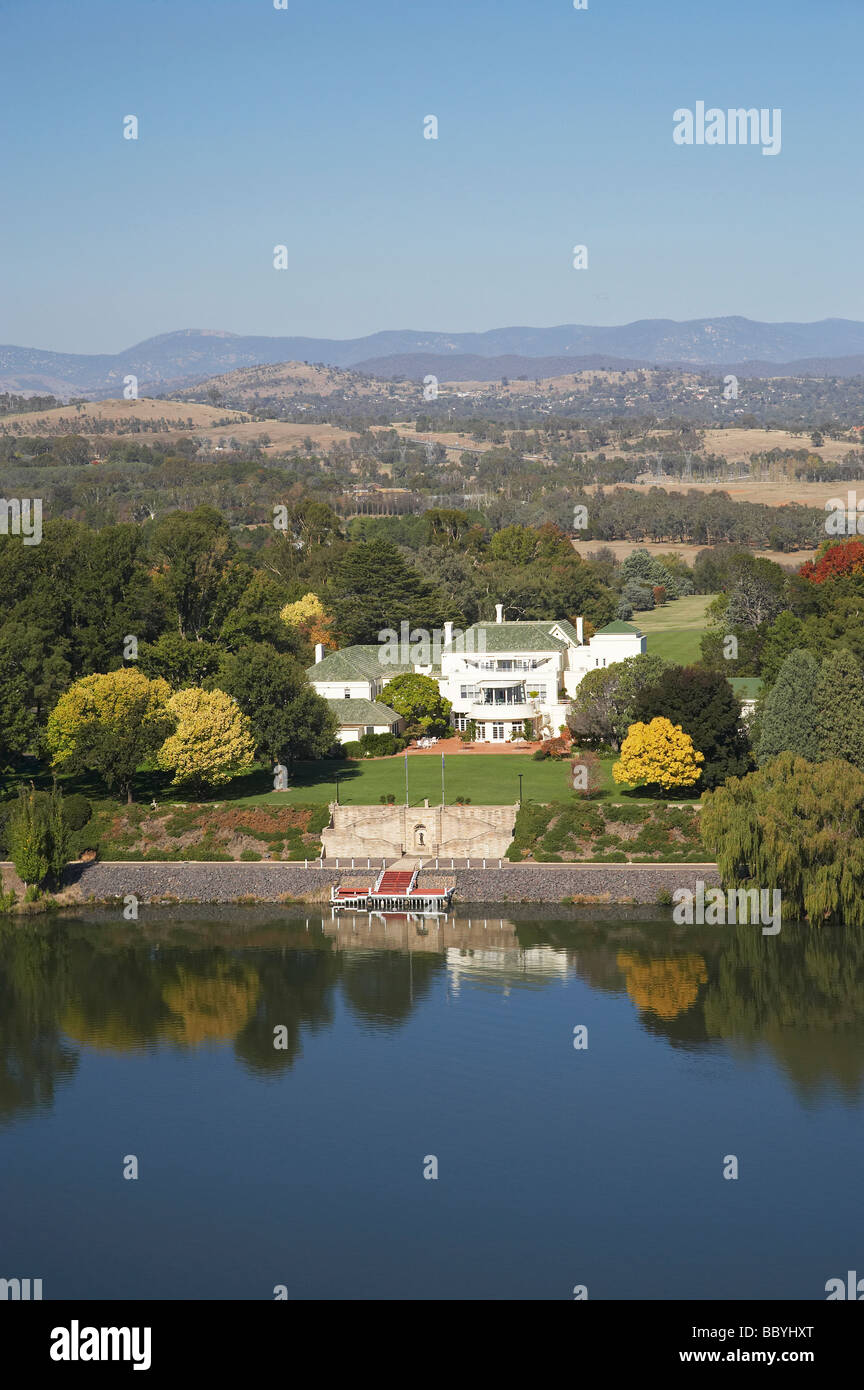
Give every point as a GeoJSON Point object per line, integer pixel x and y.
{"type": "Point", "coordinates": [539, 754]}
{"type": "Point", "coordinates": [381, 745]}
{"type": "Point", "coordinates": [556, 748]}
{"type": "Point", "coordinates": [77, 811]}
{"type": "Point", "coordinates": [248, 855]}
{"type": "Point", "coordinates": [38, 835]}
{"type": "Point", "coordinates": [353, 749]}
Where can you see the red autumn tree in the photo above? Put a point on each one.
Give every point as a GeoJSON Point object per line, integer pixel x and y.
{"type": "Point", "coordinates": [838, 560]}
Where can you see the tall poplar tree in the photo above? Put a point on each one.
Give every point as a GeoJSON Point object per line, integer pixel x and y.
{"type": "Point", "coordinates": [787, 723]}
{"type": "Point", "coordinates": [839, 708]}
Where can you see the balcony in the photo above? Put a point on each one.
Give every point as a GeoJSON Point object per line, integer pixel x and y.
{"type": "Point", "coordinates": [480, 710]}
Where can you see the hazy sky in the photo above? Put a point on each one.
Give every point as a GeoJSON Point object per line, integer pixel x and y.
{"type": "Point", "coordinates": [304, 127]}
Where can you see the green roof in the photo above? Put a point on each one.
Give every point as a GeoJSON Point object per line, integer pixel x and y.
{"type": "Point", "coordinates": [510, 637]}
{"type": "Point", "coordinates": [359, 663]}
{"type": "Point", "coordinates": [363, 712]}
{"type": "Point", "coordinates": [568, 627]}
{"type": "Point", "coordinates": [745, 687]}
{"type": "Point", "coordinates": [619, 629]}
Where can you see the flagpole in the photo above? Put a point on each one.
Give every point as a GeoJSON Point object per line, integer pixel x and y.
{"type": "Point", "coordinates": [442, 779]}
{"type": "Point", "coordinates": [406, 779]}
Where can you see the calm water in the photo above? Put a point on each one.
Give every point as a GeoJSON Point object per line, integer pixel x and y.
{"type": "Point", "coordinates": [304, 1166]}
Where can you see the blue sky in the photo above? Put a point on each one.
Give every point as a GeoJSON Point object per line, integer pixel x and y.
{"type": "Point", "coordinates": [305, 127]}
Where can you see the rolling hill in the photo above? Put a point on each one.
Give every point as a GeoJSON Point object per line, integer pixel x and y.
{"type": "Point", "coordinates": [171, 361]}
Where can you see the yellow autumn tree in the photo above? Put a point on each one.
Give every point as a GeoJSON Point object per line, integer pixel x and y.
{"type": "Point", "coordinates": [213, 740]}
{"type": "Point", "coordinates": [110, 724]}
{"type": "Point", "coordinates": [658, 754]}
{"type": "Point", "coordinates": [309, 616]}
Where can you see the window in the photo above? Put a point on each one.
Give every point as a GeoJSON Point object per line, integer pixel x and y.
{"type": "Point", "coordinates": [497, 733]}
{"type": "Point", "coordinates": [347, 694]}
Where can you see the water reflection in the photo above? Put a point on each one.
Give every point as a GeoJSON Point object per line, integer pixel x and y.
{"type": "Point", "coordinates": [227, 978]}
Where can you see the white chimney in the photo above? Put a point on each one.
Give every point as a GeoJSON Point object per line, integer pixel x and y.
{"type": "Point", "coordinates": [319, 652]}
{"type": "Point", "coordinates": [448, 634]}
{"type": "Point", "coordinates": [499, 612]}
{"type": "Point", "coordinates": [579, 631]}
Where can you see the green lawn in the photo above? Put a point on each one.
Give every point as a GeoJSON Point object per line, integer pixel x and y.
{"type": "Point", "coordinates": [675, 630]}
{"type": "Point", "coordinates": [489, 779]}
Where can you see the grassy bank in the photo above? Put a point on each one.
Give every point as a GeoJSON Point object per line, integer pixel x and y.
{"type": "Point", "coordinates": [568, 831]}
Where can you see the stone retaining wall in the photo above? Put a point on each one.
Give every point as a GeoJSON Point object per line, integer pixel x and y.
{"type": "Point", "coordinates": [275, 881]}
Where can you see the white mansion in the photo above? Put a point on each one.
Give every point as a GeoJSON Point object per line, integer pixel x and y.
{"type": "Point", "coordinates": [497, 674]}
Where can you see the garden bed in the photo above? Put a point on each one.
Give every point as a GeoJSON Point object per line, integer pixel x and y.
{"type": "Point", "coordinates": [568, 832]}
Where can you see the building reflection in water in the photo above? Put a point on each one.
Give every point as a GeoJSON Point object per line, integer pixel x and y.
{"type": "Point", "coordinates": [478, 950]}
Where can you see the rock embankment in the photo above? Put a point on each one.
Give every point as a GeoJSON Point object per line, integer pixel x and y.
{"type": "Point", "coordinates": [274, 882]}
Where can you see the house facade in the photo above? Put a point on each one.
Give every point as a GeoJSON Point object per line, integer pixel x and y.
{"type": "Point", "coordinates": [350, 681]}
{"type": "Point", "coordinates": [505, 677]}
{"type": "Point", "coordinates": [500, 675]}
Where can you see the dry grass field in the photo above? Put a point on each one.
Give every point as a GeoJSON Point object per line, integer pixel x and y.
{"type": "Point", "coordinates": [776, 492]}
{"type": "Point", "coordinates": [739, 444]}
{"type": "Point", "coordinates": [286, 379]}
{"type": "Point", "coordinates": [74, 419]}
{"type": "Point", "coordinates": [184, 417]}
{"type": "Point", "coordinates": [622, 549]}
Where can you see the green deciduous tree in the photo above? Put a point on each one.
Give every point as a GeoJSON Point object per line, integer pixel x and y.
{"type": "Point", "coordinates": [419, 701]}
{"type": "Point", "coordinates": [212, 742]}
{"type": "Point", "coordinates": [195, 548]}
{"type": "Point", "coordinates": [602, 708]}
{"type": "Point", "coordinates": [179, 661]}
{"type": "Point", "coordinates": [706, 707]}
{"type": "Point", "coordinates": [110, 724]}
{"type": "Point", "coordinates": [290, 722]}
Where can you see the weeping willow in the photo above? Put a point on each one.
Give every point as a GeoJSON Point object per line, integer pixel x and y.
{"type": "Point", "coordinates": [797, 826]}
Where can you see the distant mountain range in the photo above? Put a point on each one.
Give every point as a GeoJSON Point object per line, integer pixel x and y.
{"type": "Point", "coordinates": [832, 347]}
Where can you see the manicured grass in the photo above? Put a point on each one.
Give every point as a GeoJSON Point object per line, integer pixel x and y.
{"type": "Point", "coordinates": [489, 779]}
{"type": "Point", "coordinates": [675, 630]}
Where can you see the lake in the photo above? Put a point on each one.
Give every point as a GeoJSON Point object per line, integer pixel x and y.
{"type": "Point", "coordinates": [403, 1050]}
